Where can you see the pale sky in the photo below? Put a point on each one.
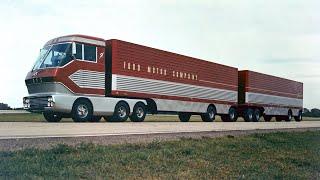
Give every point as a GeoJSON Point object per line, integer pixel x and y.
{"type": "Point", "coordinates": [280, 38]}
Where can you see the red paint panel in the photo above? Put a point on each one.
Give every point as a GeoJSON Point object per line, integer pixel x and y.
{"type": "Point", "coordinates": [271, 85]}
{"type": "Point", "coordinates": [207, 74]}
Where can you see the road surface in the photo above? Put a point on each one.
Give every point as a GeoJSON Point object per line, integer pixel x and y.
{"type": "Point", "coordinates": [14, 130]}
{"type": "Point", "coordinates": [20, 135]}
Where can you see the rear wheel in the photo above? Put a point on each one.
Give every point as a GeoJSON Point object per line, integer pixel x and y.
{"type": "Point", "coordinates": [299, 117]}
{"type": "Point", "coordinates": [231, 116]}
{"type": "Point", "coordinates": [289, 117]}
{"type": "Point", "coordinates": [121, 112]}
{"type": "Point", "coordinates": [248, 115]}
{"type": "Point", "coordinates": [256, 115]}
{"type": "Point", "coordinates": [52, 116]}
{"type": "Point", "coordinates": [138, 113]}
{"type": "Point", "coordinates": [209, 116]}
{"type": "Point", "coordinates": [267, 118]}
{"type": "Point", "coordinates": [82, 111]}
{"type": "Point", "coordinates": [184, 117]}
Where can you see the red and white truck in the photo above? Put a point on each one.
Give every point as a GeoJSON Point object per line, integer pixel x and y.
{"type": "Point", "coordinates": [87, 78]}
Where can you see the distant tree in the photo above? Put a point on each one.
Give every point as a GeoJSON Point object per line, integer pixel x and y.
{"type": "Point", "coordinates": [5, 107]}
{"type": "Point", "coordinates": [311, 113]}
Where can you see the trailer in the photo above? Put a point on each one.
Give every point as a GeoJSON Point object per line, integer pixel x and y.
{"type": "Point", "coordinates": [269, 96]}
{"type": "Point", "coordinates": [87, 78]}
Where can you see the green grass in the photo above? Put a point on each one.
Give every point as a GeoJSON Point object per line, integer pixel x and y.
{"type": "Point", "coordinates": [32, 117]}
{"type": "Point", "coordinates": [259, 156]}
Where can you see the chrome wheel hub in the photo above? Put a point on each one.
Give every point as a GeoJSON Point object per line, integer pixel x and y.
{"type": "Point", "coordinates": [122, 112]}
{"type": "Point", "coordinates": [140, 112]}
{"type": "Point", "coordinates": [82, 111]}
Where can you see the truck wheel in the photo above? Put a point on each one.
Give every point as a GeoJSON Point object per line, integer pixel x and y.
{"type": "Point", "coordinates": [267, 118]}
{"type": "Point", "coordinates": [184, 117]}
{"type": "Point", "coordinates": [209, 116]}
{"type": "Point", "coordinates": [121, 112]}
{"type": "Point", "coordinates": [138, 113]}
{"type": "Point", "coordinates": [52, 117]}
{"type": "Point", "coordinates": [256, 115]}
{"type": "Point", "coordinates": [231, 116]}
{"type": "Point", "coordinates": [289, 117]}
{"type": "Point", "coordinates": [248, 115]}
{"type": "Point", "coordinates": [299, 117]}
{"type": "Point", "coordinates": [95, 119]}
{"type": "Point", "coordinates": [82, 111]}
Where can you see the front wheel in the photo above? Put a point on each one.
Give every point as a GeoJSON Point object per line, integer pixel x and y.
{"type": "Point", "coordinates": [52, 117]}
{"type": "Point", "coordinates": [82, 111]}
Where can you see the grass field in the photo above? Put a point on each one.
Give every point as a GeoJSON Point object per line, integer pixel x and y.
{"type": "Point", "coordinates": [31, 117]}
{"type": "Point", "coordinates": [260, 156]}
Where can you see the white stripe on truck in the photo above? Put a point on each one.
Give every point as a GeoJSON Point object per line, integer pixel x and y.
{"type": "Point", "coordinates": [167, 88]}
{"type": "Point", "coordinates": [259, 98]}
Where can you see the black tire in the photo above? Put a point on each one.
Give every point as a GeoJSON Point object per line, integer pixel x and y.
{"type": "Point", "coordinates": [299, 117]}
{"type": "Point", "coordinates": [231, 116]}
{"type": "Point", "coordinates": [52, 116]}
{"type": "Point", "coordinates": [209, 116]}
{"type": "Point", "coordinates": [95, 119]}
{"type": "Point", "coordinates": [139, 112]}
{"type": "Point", "coordinates": [248, 115]}
{"type": "Point", "coordinates": [82, 111]}
{"type": "Point", "coordinates": [256, 115]}
{"type": "Point", "coordinates": [184, 117]}
{"type": "Point", "coordinates": [289, 117]}
{"type": "Point", "coordinates": [267, 118]}
{"type": "Point", "coordinates": [121, 112]}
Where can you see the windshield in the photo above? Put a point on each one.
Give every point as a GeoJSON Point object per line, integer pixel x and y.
{"type": "Point", "coordinates": [54, 56]}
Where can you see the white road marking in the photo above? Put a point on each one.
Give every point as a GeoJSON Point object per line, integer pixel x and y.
{"type": "Point", "coordinates": [13, 130]}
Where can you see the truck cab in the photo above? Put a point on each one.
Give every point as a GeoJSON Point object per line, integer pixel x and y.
{"type": "Point", "coordinates": [70, 69]}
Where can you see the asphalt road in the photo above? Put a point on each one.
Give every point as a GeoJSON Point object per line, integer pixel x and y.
{"type": "Point", "coordinates": [19, 130]}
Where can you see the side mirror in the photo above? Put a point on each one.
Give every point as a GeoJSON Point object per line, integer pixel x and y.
{"type": "Point", "coordinates": [74, 48]}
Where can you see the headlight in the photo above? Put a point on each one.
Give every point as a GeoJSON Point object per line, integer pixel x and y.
{"type": "Point", "coordinates": [50, 102]}
{"type": "Point", "coordinates": [26, 103]}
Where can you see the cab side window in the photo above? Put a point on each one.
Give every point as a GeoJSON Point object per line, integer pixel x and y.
{"type": "Point", "coordinates": [79, 51]}
{"type": "Point", "coordinates": [86, 52]}
{"type": "Point", "coordinates": [90, 53]}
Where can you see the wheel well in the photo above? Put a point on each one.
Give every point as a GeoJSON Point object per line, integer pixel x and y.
{"type": "Point", "coordinates": [152, 106]}
{"type": "Point", "coordinates": [83, 99]}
